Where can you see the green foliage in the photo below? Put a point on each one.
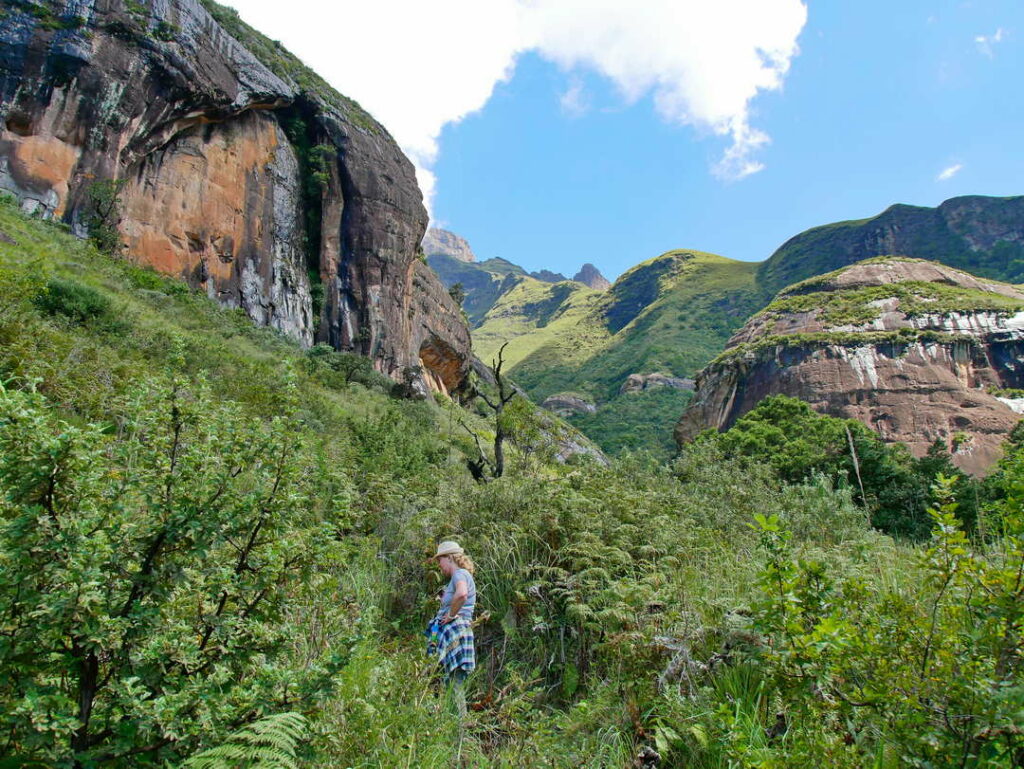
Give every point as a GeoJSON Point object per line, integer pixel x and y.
{"type": "Point", "coordinates": [48, 17]}
{"type": "Point", "coordinates": [74, 300]}
{"type": "Point", "coordinates": [458, 293]}
{"type": "Point", "coordinates": [927, 679]}
{"type": "Point", "coordinates": [920, 232]}
{"type": "Point", "coordinates": [798, 443]}
{"type": "Point", "coordinates": [673, 314]}
{"type": "Point", "coordinates": [898, 341]}
{"type": "Point", "coordinates": [165, 32]}
{"type": "Point", "coordinates": [208, 507]}
{"type": "Point", "coordinates": [636, 421]}
{"type": "Point", "coordinates": [855, 306]}
{"type": "Point", "coordinates": [270, 743]}
{"type": "Point", "coordinates": [620, 608]}
{"type": "Point", "coordinates": [103, 214]}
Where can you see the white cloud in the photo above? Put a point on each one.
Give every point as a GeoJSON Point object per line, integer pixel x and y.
{"type": "Point", "coordinates": [985, 43]}
{"type": "Point", "coordinates": [419, 66]}
{"type": "Point", "coordinates": [949, 172]}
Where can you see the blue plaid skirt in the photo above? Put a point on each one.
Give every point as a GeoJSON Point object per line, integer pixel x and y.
{"type": "Point", "coordinates": [454, 649]}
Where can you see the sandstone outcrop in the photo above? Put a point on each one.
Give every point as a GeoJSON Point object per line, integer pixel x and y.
{"type": "Point", "coordinates": [590, 276]}
{"type": "Point", "coordinates": [917, 351]}
{"type": "Point", "coordinates": [239, 170]}
{"type": "Point", "coordinates": [442, 242]}
{"type": "Point", "coordinates": [568, 404]}
{"type": "Point", "coordinates": [636, 383]}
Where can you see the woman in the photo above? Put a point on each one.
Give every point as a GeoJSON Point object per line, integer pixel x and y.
{"type": "Point", "coordinates": [453, 622]}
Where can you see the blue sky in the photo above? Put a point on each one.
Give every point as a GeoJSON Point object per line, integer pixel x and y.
{"type": "Point", "coordinates": [881, 99]}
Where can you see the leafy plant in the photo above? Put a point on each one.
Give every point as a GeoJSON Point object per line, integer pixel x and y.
{"type": "Point", "coordinates": [103, 214]}
{"type": "Point", "coordinates": [270, 743]}
{"type": "Point", "coordinates": [74, 300]}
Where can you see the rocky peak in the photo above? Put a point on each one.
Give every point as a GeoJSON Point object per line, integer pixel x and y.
{"type": "Point", "coordinates": [439, 242]}
{"type": "Point", "coordinates": [589, 275]}
{"type": "Point", "coordinates": [916, 350]}
{"type": "Point", "coordinates": [239, 170]}
{"type": "Point", "coordinates": [547, 276]}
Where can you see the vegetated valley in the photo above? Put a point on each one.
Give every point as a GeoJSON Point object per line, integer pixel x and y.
{"type": "Point", "coordinates": [216, 510]}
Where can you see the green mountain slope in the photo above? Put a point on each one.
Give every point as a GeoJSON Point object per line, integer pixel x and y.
{"type": "Point", "coordinates": [983, 235]}
{"type": "Point", "coordinates": [483, 282]}
{"type": "Point", "coordinates": [670, 314]}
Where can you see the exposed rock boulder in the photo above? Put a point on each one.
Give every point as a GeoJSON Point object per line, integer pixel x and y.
{"type": "Point", "coordinates": [639, 382]}
{"type": "Point", "coordinates": [242, 172]}
{"type": "Point", "coordinates": [442, 242]}
{"type": "Point", "coordinates": [590, 276]}
{"type": "Point", "coordinates": [912, 349]}
{"type": "Point", "coordinates": [568, 404]}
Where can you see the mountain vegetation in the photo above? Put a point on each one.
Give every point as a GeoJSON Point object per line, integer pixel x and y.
{"type": "Point", "coordinates": [981, 235]}
{"type": "Point", "coordinates": [671, 314]}
{"type": "Point", "coordinates": [214, 547]}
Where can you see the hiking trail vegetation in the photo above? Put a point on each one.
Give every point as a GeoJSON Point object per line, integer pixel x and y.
{"type": "Point", "coordinates": [213, 550]}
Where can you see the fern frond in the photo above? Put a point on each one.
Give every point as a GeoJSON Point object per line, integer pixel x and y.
{"type": "Point", "coordinates": [269, 743]}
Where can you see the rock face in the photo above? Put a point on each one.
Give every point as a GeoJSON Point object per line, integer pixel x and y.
{"type": "Point", "coordinates": [915, 350]}
{"type": "Point", "coordinates": [238, 169]}
{"type": "Point", "coordinates": [590, 276]}
{"type": "Point", "coordinates": [636, 383]}
{"type": "Point", "coordinates": [442, 242]}
{"type": "Point", "coordinates": [983, 235]}
{"type": "Point", "coordinates": [568, 404]}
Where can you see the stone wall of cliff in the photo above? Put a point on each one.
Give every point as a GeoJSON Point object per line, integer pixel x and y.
{"type": "Point", "coordinates": [242, 172]}
{"type": "Point", "coordinates": [917, 351]}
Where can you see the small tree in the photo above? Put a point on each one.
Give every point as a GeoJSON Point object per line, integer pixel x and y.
{"type": "Point", "coordinates": [506, 392]}
{"type": "Point", "coordinates": [103, 214]}
{"type": "Point", "coordinates": [458, 293]}
{"type": "Point", "coordinates": [146, 569]}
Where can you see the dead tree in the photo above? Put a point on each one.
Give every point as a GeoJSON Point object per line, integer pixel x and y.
{"type": "Point", "coordinates": [506, 392]}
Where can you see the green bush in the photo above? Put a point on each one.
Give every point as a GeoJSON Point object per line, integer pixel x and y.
{"type": "Point", "coordinates": [787, 434]}
{"type": "Point", "coordinates": [74, 300]}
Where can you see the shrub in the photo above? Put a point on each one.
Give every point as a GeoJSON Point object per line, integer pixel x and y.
{"type": "Point", "coordinates": [74, 300]}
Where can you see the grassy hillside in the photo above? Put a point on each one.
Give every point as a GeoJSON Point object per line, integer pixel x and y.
{"type": "Point", "coordinates": [483, 283]}
{"type": "Point", "coordinates": [671, 314]}
{"type": "Point", "coordinates": [983, 239]}
{"type": "Point", "coordinates": [213, 540]}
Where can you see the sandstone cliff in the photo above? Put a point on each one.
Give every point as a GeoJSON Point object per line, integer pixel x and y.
{"type": "Point", "coordinates": [242, 172]}
{"type": "Point", "coordinates": [916, 350]}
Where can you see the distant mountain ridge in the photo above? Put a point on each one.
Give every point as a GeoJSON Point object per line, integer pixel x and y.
{"type": "Point", "coordinates": [484, 282]}
{"type": "Point", "coordinates": [437, 241]}
{"type": "Point", "coordinates": [674, 314]}
{"type": "Point", "coordinates": [980, 234]}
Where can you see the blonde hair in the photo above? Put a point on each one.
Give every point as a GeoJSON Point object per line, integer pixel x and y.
{"type": "Point", "coordinates": [463, 561]}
